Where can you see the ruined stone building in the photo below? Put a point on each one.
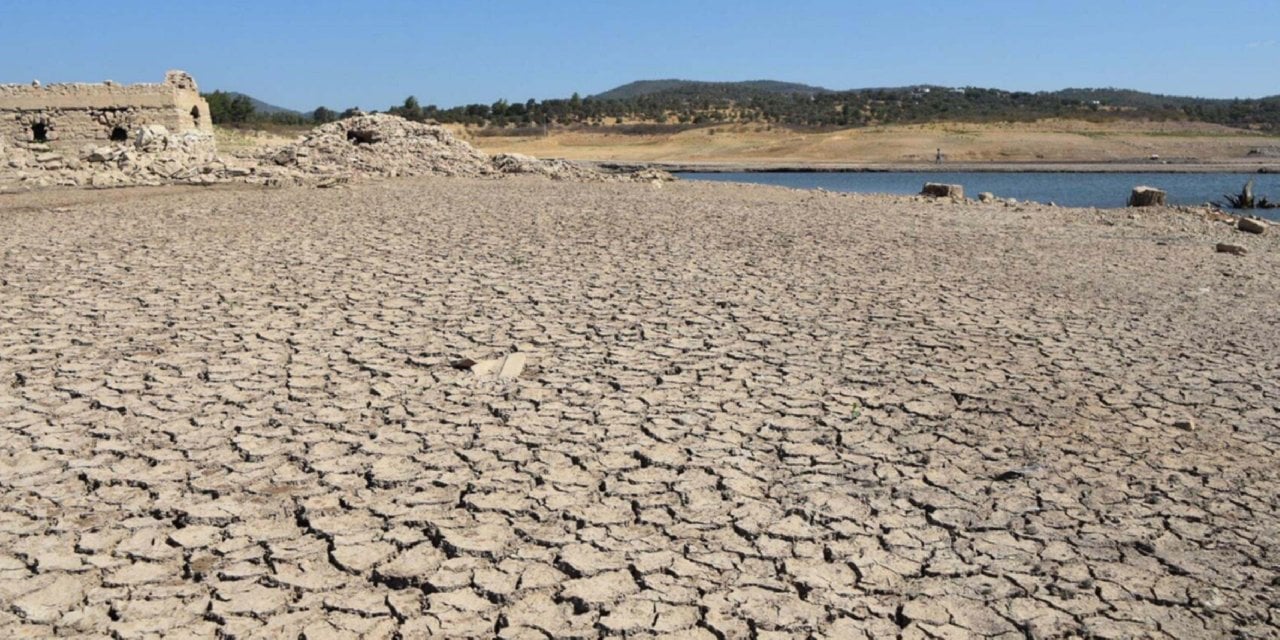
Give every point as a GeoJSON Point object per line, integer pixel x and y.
{"type": "Point", "coordinates": [69, 116]}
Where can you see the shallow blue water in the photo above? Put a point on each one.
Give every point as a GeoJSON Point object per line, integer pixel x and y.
{"type": "Point", "coordinates": [1065, 189]}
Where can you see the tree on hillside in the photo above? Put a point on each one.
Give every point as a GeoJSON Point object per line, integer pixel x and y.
{"type": "Point", "coordinates": [575, 109]}
{"type": "Point", "coordinates": [350, 112]}
{"type": "Point", "coordinates": [410, 110]}
{"type": "Point", "coordinates": [322, 115]}
{"type": "Point", "coordinates": [225, 108]}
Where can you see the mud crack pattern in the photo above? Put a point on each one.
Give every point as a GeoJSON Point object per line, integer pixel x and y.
{"type": "Point", "coordinates": [746, 412]}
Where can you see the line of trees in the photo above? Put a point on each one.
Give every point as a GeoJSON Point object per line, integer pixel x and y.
{"type": "Point", "coordinates": [854, 108]}
{"type": "Point", "coordinates": [233, 109]}
{"type": "Point", "coordinates": [226, 108]}
{"type": "Point", "coordinates": [743, 104]}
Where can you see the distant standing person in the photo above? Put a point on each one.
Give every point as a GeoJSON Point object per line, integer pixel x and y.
{"type": "Point", "coordinates": [938, 159]}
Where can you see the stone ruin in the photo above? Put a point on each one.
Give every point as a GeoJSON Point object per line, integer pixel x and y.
{"type": "Point", "coordinates": [109, 135]}
{"type": "Point", "coordinates": [65, 117]}
{"type": "Point", "coordinates": [106, 134]}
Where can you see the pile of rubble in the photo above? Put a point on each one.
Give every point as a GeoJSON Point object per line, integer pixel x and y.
{"type": "Point", "coordinates": [556, 169]}
{"type": "Point", "coordinates": [379, 145]}
{"type": "Point", "coordinates": [364, 146]}
{"type": "Point", "coordinates": [154, 156]}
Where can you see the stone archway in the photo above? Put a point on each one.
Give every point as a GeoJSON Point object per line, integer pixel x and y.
{"type": "Point", "coordinates": [119, 134]}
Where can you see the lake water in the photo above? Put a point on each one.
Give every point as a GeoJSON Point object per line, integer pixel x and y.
{"type": "Point", "coordinates": [1065, 189]}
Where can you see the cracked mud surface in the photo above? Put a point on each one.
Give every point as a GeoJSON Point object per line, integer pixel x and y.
{"type": "Point", "coordinates": [744, 412]}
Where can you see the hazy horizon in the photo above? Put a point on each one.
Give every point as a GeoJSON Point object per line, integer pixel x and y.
{"type": "Point", "coordinates": [374, 55]}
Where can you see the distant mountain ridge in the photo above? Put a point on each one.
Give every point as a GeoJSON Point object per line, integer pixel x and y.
{"type": "Point", "coordinates": [673, 86]}
{"type": "Point", "coordinates": [775, 102]}
{"type": "Point", "coordinates": [678, 102]}
{"type": "Point", "coordinates": [261, 107]}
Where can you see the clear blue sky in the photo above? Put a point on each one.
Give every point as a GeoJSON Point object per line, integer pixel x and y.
{"type": "Point", "coordinates": [373, 54]}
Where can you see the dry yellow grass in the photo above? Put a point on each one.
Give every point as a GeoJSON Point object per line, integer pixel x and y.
{"type": "Point", "coordinates": [1049, 140]}
{"type": "Point", "coordinates": [245, 142]}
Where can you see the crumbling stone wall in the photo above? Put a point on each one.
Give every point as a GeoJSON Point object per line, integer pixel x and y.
{"type": "Point", "coordinates": [71, 115]}
{"type": "Point", "coordinates": [364, 146]}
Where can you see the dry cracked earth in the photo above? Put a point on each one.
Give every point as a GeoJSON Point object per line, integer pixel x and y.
{"type": "Point", "coordinates": [747, 412]}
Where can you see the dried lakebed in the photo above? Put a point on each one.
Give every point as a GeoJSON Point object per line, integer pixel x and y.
{"type": "Point", "coordinates": [736, 411]}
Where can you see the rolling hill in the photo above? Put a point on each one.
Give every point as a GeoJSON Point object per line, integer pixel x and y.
{"type": "Point", "coordinates": [679, 103]}
{"type": "Point", "coordinates": [699, 88]}
{"type": "Point", "coordinates": [263, 108]}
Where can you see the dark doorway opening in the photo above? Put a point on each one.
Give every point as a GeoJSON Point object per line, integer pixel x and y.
{"type": "Point", "coordinates": [39, 132]}
{"type": "Point", "coordinates": [195, 115]}
{"type": "Point", "coordinates": [119, 134]}
{"type": "Point", "coordinates": [362, 137]}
